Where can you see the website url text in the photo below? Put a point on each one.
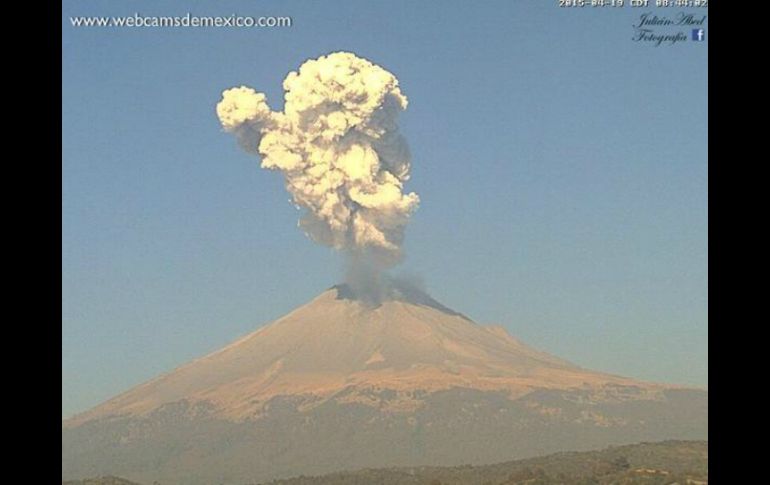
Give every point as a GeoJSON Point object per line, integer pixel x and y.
{"type": "Point", "coordinates": [188, 20]}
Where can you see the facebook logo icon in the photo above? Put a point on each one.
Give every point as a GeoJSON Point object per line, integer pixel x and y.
{"type": "Point", "coordinates": [698, 35]}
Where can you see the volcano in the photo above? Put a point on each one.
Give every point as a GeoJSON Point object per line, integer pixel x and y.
{"type": "Point", "coordinates": [343, 383]}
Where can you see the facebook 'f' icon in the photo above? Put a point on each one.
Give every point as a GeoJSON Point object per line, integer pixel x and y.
{"type": "Point", "coordinates": [698, 35]}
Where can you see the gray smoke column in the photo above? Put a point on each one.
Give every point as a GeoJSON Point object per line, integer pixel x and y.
{"type": "Point", "coordinates": [338, 146]}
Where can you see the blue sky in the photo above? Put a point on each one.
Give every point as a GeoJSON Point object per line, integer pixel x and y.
{"type": "Point", "coordinates": [561, 166]}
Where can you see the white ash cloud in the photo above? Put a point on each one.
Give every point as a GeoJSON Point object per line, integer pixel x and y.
{"type": "Point", "coordinates": [338, 146]}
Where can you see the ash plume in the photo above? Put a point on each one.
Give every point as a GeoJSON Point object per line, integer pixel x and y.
{"type": "Point", "coordinates": [371, 284]}
{"type": "Point", "coordinates": [338, 146]}
{"type": "Point", "coordinates": [343, 159]}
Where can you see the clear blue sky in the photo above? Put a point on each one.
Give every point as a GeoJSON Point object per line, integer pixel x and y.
{"type": "Point", "coordinates": [562, 170]}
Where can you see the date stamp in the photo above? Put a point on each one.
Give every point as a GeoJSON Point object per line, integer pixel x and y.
{"type": "Point", "coordinates": [592, 3]}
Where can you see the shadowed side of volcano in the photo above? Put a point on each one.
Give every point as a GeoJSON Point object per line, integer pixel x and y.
{"type": "Point", "coordinates": [181, 445]}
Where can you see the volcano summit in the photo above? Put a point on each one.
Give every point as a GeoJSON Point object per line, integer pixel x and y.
{"type": "Point", "coordinates": [342, 384]}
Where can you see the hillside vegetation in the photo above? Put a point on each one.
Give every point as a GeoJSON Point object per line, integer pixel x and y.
{"type": "Point", "coordinates": [665, 463]}
{"type": "Point", "coordinates": [100, 481]}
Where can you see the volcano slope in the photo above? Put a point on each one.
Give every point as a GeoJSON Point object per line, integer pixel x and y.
{"type": "Point", "coordinates": [339, 384]}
